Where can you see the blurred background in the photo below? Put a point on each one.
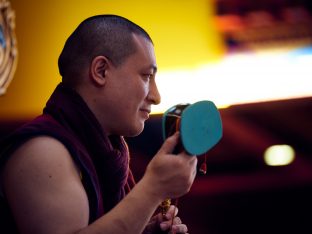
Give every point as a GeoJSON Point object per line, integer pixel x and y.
{"type": "Point", "coordinates": [252, 58]}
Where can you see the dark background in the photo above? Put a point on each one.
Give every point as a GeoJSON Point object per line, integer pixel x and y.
{"type": "Point", "coordinates": [239, 193]}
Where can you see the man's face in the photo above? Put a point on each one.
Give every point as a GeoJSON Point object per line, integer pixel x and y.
{"type": "Point", "coordinates": [132, 90]}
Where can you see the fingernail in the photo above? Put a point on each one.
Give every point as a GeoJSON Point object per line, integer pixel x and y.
{"type": "Point", "coordinates": [164, 226]}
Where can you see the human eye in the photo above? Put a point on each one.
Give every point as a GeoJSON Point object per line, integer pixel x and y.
{"type": "Point", "coordinates": [147, 76]}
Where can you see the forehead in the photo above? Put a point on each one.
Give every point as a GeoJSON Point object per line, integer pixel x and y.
{"type": "Point", "coordinates": [145, 54]}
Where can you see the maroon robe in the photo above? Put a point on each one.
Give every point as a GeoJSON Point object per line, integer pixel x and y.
{"type": "Point", "coordinates": [102, 160]}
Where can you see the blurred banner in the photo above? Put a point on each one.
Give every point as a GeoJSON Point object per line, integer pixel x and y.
{"type": "Point", "coordinates": [264, 24]}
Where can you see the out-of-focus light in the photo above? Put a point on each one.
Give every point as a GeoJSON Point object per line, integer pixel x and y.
{"type": "Point", "coordinates": [279, 155]}
{"type": "Point", "coordinates": [237, 79]}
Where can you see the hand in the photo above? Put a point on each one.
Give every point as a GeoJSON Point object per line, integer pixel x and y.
{"type": "Point", "coordinates": [174, 225]}
{"type": "Point", "coordinates": [165, 224]}
{"type": "Point", "coordinates": [169, 175]}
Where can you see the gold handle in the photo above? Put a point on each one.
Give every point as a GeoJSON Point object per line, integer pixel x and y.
{"type": "Point", "coordinates": [165, 205]}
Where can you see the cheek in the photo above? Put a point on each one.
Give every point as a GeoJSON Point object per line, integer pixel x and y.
{"type": "Point", "coordinates": [145, 89]}
{"type": "Point", "coordinates": [140, 91]}
{"type": "Point", "coordinates": [134, 93]}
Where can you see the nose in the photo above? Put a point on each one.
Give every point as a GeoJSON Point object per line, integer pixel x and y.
{"type": "Point", "coordinates": [153, 95]}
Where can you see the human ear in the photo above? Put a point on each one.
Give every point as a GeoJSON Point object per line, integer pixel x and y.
{"type": "Point", "coordinates": [98, 69]}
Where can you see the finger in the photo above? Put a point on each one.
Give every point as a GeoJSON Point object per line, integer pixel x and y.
{"type": "Point", "coordinates": [170, 143]}
{"type": "Point", "coordinates": [181, 228]}
{"type": "Point", "coordinates": [177, 221]}
{"type": "Point", "coordinates": [191, 162]}
{"type": "Point", "coordinates": [165, 225]}
{"type": "Point", "coordinates": [189, 157]}
{"type": "Point", "coordinates": [172, 212]}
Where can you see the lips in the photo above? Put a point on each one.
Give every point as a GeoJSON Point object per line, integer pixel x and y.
{"type": "Point", "coordinates": [146, 112]}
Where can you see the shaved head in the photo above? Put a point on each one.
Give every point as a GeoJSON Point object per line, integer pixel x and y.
{"type": "Point", "coordinates": [107, 35]}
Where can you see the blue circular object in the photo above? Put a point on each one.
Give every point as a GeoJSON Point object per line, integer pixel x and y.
{"type": "Point", "coordinates": [199, 124]}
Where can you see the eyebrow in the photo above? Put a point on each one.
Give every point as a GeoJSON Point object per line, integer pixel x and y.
{"type": "Point", "coordinates": [154, 67]}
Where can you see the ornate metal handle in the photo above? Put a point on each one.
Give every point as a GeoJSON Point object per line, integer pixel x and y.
{"type": "Point", "coordinates": [165, 206]}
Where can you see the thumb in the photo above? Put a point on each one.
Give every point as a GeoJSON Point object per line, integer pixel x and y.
{"type": "Point", "coordinates": [170, 143]}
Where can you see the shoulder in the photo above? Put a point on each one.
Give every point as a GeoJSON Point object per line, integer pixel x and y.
{"type": "Point", "coordinates": [39, 174]}
{"type": "Point", "coordinates": [40, 152]}
{"type": "Point", "coordinates": [39, 159]}
{"type": "Point", "coordinates": [39, 163]}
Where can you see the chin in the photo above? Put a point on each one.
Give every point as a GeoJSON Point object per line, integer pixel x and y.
{"type": "Point", "coordinates": [135, 131]}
